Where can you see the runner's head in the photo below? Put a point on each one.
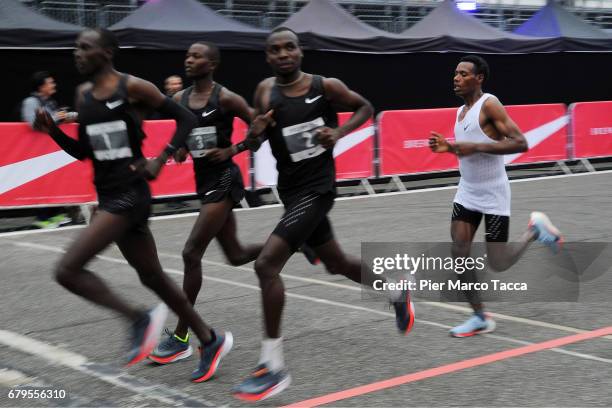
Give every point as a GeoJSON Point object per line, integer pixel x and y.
{"type": "Point", "coordinates": [201, 60]}
{"type": "Point", "coordinates": [283, 52]}
{"type": "Point", "coordinates": [95, 49]}
{"type": "Point", "coordinates": [471, 72]}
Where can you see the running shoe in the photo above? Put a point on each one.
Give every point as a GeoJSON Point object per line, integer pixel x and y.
{"type": "Point", "coordinates": [404, 312]}
{"type": "Point", "coordinates": [145, 333]}
{"type": "Point", "coordinates": [262, 384]}
{"type": "Point", "coordinates": [545, 231]}
{"type": "Point", "coordinates": [210, 357]}
{"type": "Point", "coordinates": [472, 326]}
{"type": "Point", "coordinates": [171, 349]}
{"type": "Point", "coordinates": [60, 219]}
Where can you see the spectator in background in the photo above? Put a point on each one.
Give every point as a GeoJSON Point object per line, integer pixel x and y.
{"type": "Point", "coordinates": [172, 85]}
{"type": "Point", "coordinates": [43, 89]}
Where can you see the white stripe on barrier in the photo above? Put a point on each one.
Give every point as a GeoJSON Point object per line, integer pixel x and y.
{"type": "Point", "coordinates": [17, 174]}
{"type": "Point", "coordinates": [536, 136]}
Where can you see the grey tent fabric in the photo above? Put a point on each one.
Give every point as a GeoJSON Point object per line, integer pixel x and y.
{"type": "Point", "coordinates": [326, 18]}
{"type": "Point", "coordinates": [324, 25]}
{"type": "Point", "coordinates": [21, 27]}
{"type": "Point", "coordinates": [176, 24]}
{"type": "Point", "coordinates": [553, 20]}
{"type": "Point", "coordinates": [447, 29]}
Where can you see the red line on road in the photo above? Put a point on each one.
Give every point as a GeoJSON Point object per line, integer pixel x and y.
{"type": "Point", "coordinates": [449, 368]}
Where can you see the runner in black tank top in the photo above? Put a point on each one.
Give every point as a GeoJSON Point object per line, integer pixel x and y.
{"type": "Point", "coordinates": [299, 110]}
{"type": "Point", "coordinates": [215, 178]}
{"type": "Point", "coordinates": [218, 181]}
{"type": "Point", "coordinates": [110, 135]}
{"type": "Point", "coordinates": [303, 164]}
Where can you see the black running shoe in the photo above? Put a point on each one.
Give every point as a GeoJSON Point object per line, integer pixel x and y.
{"type": "Point", "coordinates": [171, 349]}
{"type": "Point", "coordinates": [262, 384]}
{"type": "Point", "coordinates": [145, 333]}
{"type": "Point", "coordinates": [210, 357]}
{"type": "Point", "coordinates": [404, 312]}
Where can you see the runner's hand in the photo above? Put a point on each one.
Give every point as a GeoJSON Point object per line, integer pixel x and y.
{"type": "Point", "coordinates": [43, 121]}
{"type": "Point", "coordinates": [328, 137]}
{"type": "Point", "coordinates": [260, 123]}
{"type": "Point", "coordinates": [438, 144]}
{"type": "Point", "coordinates": [180, 155]}
{"type": "Point", "coordinates": [148, 168]}
{"type": "Point", "coordinates": [217, 155]}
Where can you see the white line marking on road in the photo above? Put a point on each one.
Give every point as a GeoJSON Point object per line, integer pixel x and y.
{"type": "Point", "coordinates": [321, 301]}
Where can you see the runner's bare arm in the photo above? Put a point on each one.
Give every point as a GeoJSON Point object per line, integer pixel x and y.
{"type": "Point", "coordinates": [513, 139]}
{"type": "Point", "coordinates": [340, 95]}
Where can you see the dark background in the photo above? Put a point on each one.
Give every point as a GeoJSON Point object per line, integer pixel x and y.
{"type": "Point", "coordinates": [401, 81]}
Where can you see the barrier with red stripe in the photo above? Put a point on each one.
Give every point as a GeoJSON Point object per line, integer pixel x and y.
{"type": "Point", "coordinates": [403, 140]}
{"type": "Point", "coordinates": [545, 127]}
{"type": "Point", "coordinates": [34, 170]}
{"type": "Point", "coordinates": [591, 129]}
{"type": "Point", "coordinates": [403, 137]}
{"type": "Point", "coordinates": [354, 153]}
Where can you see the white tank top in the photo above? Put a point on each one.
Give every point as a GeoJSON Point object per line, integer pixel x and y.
{"type": "Point", "coordinates": [484, 185]}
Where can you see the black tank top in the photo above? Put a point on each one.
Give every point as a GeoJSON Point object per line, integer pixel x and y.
{"type": "Point", "coordinates": [214, 129]}
{"type": "Point", "coordinates": [110, 132]}
{"type": "Point", "coordinates": [303, 164]}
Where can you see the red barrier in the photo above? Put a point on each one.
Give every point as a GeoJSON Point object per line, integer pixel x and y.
{"type": "Point", "coordinates": [591, 124]}
{"type": "Point", "coordinates": [545, 127]}
{"type": "Point", "coordinates": [354, 153]}
{"type": "Point", "coordinates": [34, 170]}
{"type": "Point", "coordinates": [403, 137]}
{"type": "Point", "coordinates": [403, 140]}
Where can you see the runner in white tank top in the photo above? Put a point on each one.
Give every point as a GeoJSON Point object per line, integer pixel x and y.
{"type": "Point", "coordinates": [484, 133]}
{"type": "Point", "coordinates": [484, 185]}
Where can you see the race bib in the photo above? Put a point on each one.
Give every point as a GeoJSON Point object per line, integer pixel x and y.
{"type": "Point", "coordinates": [109, 140]}
{"type": "Point", "coordinates": [302, 141]}
{"type": "Point", "coordinates": [200, 140]}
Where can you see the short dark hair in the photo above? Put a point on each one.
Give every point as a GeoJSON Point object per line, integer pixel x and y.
{"type": "Point", "coordinates": [107, 38]}
{"type": "Point", "coordinates": [213, 51]}
{"type": "Point", "coordinates": [480, 65]}
{"type": "Point", "coordinates": [280, 30]}
{"type": "Point", "coordinates": [38, 79]}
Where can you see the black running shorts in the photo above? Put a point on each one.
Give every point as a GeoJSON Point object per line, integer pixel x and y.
{"type": "Point", "coordinates": [218, 184]}
{"type": "Point", "coordinates": [134, 203]}
{"type": "Point", "coordinates": [305, 220]}
{"type": "Point", "coordinates": [497, 227]}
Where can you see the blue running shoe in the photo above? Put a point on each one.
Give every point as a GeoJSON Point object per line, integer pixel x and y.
{"type": "Point", "coordinates": [145, 333]}
{"type": "Point", "coordinates": [545, 231]}
{"type": "Point", "coordinates": [404, 312]}
{"type": "Point", "coordinates": [472, 326]}
{"type": "Point", "coordinates": [210, 357]}
{"type": "Point", "coordinates": [171, 349]}
{"type": "Point", "coordinates": [262, 384]}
